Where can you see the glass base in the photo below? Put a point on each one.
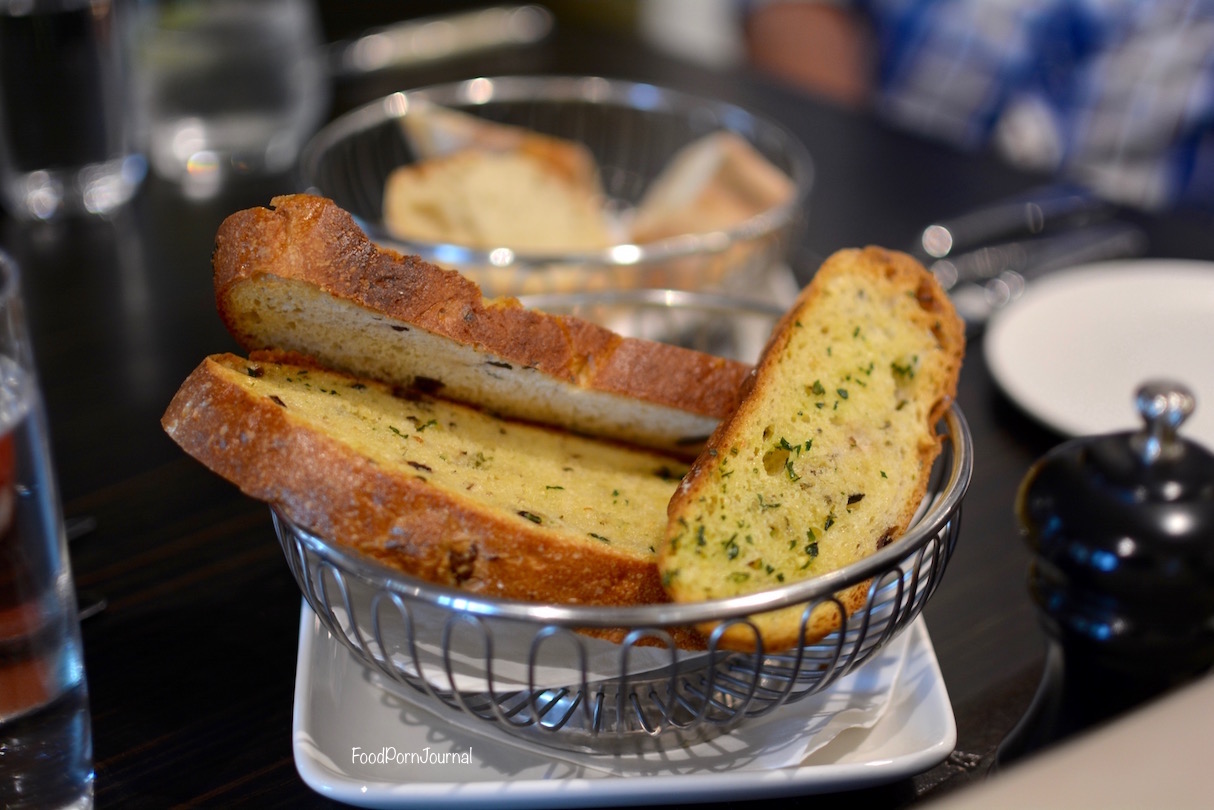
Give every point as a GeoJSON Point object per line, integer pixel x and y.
{"type": "Point", "coordinates": [46, 757]}
{"type": "Point", "coordinates": [96, 189]}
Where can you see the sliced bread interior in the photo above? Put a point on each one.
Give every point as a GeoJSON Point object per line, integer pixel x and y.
{"type": "Point", "coordinates": [828, 456]}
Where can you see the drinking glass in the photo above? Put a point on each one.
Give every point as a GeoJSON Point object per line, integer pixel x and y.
{"type": "Point", "coordinates": [66, 141]}
{"type": "Point", "coordinates": [45, 730]}
{"type": "Point", "coordinates": [227, 88]}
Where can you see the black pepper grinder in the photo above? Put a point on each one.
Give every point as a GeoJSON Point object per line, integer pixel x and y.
{"type": "Point", "coordinates": [1121, 527]}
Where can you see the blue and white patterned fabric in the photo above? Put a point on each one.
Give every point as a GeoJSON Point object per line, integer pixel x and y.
{"type": "Point", "coordinates": [1116, 94]}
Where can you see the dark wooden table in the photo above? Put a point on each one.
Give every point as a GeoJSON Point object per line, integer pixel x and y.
{"type": "Point", "coordinates": [191, 664]}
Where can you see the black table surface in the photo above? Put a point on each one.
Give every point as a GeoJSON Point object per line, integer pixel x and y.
{"type": "Point", "coordinates": [191, 663]}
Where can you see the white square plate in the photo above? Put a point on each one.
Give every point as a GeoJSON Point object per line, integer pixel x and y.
{"type": "Point", "coordinates": [358, 743]}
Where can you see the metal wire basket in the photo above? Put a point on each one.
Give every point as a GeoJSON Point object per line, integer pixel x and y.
{"type": "Point", "coordinates": [538, 671]}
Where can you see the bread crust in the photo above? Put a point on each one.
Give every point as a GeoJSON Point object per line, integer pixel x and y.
{"type": "Point", "coordinates": [311, 240]}
{"type": "Point", "coordinates": [935, 314]}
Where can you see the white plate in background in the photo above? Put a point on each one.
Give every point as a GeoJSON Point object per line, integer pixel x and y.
{"type": "Point", "coordinates": [1074, 348]}
{"type": "Point", "coordinates": [339, 706]}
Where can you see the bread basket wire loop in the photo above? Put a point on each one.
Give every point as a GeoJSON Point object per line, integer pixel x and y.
{"type": "Point", "coordinates": [583, 687]}
{"type": "Point", "coordinates": [768, 688]}
{"type": "Point", "coordinates": [675, 709]}
{"type": "Point", "coordinates": [461, 698]}
{"type": "Point", "coordinates": [330, 573]}
{"type": "Point", "coordinates": [351, 630]}
{"type": "Point", "coordinates": [379, 631]}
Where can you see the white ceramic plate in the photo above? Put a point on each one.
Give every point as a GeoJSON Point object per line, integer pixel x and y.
{"type": "Point", "coordinates": [1074, 349]}
{"type": "Point", "coordinates": [338, 707]}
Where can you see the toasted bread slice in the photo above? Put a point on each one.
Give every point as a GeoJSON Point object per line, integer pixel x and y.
{"type": "Point", "coordinates": [435, 131]}
{"type": "Point", "coordinates": [301, 276]}
{"type": "Point", "coordinates": [828, 456]}
{"type": "Point", "coordinates": [435, 489]}
{"type": "Point", "coordinates": [716, 182]}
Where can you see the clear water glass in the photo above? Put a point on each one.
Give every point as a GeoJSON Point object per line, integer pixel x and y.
{"type": "Point", "coordinates": [66, 138]}
{"type": "Point", "coordinates": [227, 88]}
{"type": "Point", "coordinates": [46, 758]}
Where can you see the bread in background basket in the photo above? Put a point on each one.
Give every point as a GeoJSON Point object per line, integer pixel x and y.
{"type": "Point", "coordinates": [413, 478]}
{"type": "Point", "coordinates": [489, 185]}
{"type": "Point", "coordinates": [626, 132]}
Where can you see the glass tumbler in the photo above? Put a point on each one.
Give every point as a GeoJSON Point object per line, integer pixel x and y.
{"type": "Point", "coordinates": [227, 89]}
{"type": "Point", "coordinates": [66, 141]}
{"type": "Point", "coordinates": [45, 730]}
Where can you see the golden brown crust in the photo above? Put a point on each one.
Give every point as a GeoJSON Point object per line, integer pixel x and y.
{"type": "Point", "coordinates": [311, 239]}
{"type": "Point", "coordinates": [405, 523]}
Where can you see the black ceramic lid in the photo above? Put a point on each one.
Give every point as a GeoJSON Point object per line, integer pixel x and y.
{"type": "Point", "coordinates": [1122, 528]}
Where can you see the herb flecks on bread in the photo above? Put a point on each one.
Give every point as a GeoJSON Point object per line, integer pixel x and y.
{"type": "Point", "coordinates": [828, 456]}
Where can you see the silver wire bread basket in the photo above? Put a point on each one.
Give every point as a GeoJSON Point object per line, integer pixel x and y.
{"type": "Point", "coordinates": [540, 672]}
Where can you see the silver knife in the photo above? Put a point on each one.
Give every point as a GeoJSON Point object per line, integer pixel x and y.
{"type": "Point", "coordinates": [431, 39]}
{"type": "Point", "coordinates": [986, 279]}
{"type": "Point", "coordinates": [1039, 211]}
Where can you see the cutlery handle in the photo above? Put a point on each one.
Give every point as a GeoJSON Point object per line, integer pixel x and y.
{"type": "Point", "coordinates": [1038, 255]}
{"type": "Point", "coordinates": [1032, 213]}
{"type": "Point", "coordinates": [443, 36]}
{"type": "Point", "coordinates": [985, 280]}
